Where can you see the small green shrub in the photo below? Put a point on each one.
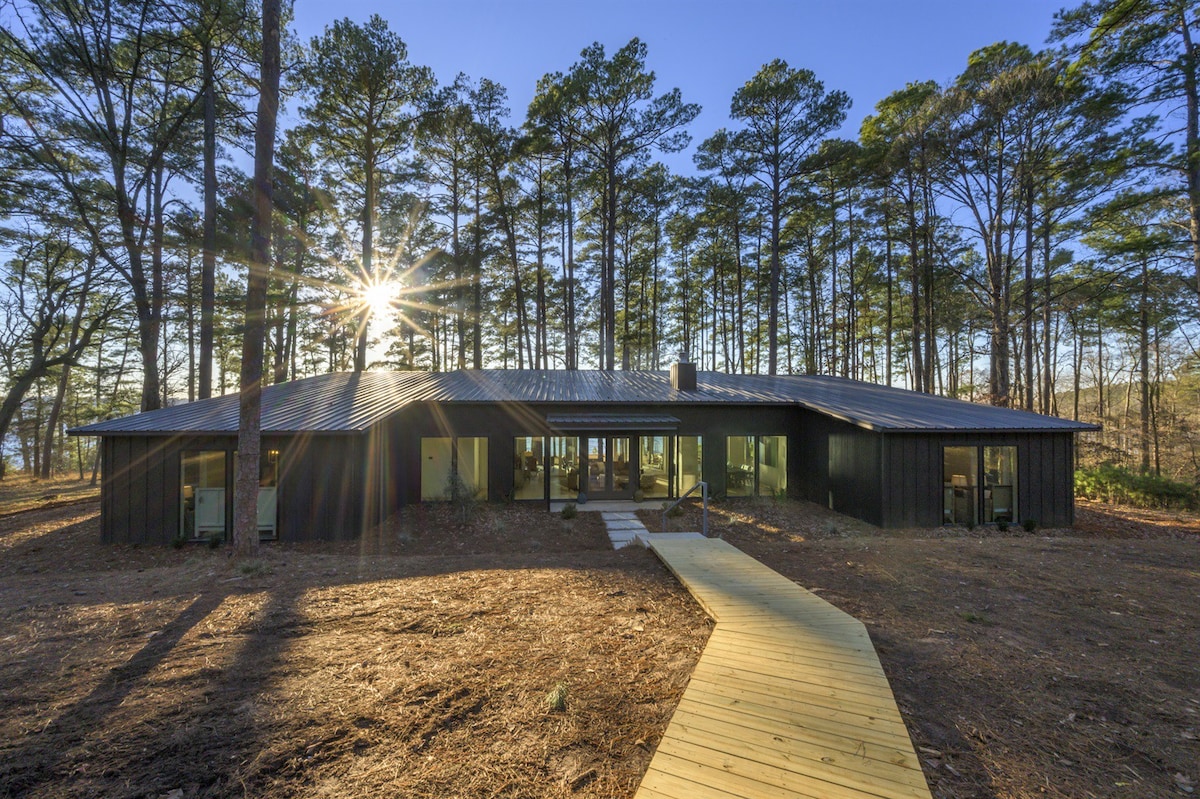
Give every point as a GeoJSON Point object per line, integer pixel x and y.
{"type": "Point", "coordinates": [178, 542]}
{"type": "Point", "coordinates": [569, 511]}
{"type": "Point", "coordinates": [461, 495]}
{"type": "Point", "coordinates": [675, 511]}
{"type": "Point", "coordinates": [1002, 525]}
{"type": "Point", "coordinates": [252, 568]}
{"type": "Point", "coordinates": [1115, 484]}
{"type": "Point", "coordinates": [639, 495]}
{"type": "Point", "coordinates": [1030, 525]}
{"type": "Point", "coordinates": [556, 700]}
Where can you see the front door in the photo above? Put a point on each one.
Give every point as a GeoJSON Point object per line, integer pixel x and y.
{"type": "Point", "coordinates": [610, 473]}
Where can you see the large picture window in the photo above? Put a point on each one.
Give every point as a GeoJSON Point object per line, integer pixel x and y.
{"type": "Point", "coordinates": [445, 460]}
{"type": "Point", "coordinates": [203, 480]}
{"type": "Point", "coordinates": [755, 465]}
{"type": "Point", "coordinates": [564, 467]}
{"type": "Point", "coordinates": [206, 480]}
{"type": "Point", "coordinates": [979, 485]}
{"type": "Point", "coordinates": [529, 468]}
{"type": "Point", "coordinates": [689, 456]}
{"type": "Point", "coordinates": [652, 466]}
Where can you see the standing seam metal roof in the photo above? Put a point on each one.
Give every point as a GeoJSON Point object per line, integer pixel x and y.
{"type": "Point", "coordinates": [352, 402]}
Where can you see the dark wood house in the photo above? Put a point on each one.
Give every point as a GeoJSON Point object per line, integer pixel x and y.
{"type": "Point", "coordinates": [343, 451]}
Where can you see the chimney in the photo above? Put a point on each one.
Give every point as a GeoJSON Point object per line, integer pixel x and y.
{"type": "Point", "coordinates": [683, 374]}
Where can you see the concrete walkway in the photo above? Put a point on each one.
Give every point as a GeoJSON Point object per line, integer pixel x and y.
{"type": "Point", "coordinates": [788, 699]}
{"type": "Point", "coordinates": [623, 527]}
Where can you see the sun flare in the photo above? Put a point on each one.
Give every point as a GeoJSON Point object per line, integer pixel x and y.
{"type": "Point", "coordinates": [380, 298]}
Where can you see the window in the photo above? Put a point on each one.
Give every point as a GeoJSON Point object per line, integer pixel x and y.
{"type": "Point", "coordinates": [529, 472]}
{"type": "Point", "coordinates": [967, 499]}
{"type": "Point", "coordinates": [203, 482]}
{"type": "Point", "coordinates": [564, 467]}
{"type": "Point", "coordinates": [437, 461]}
{"type": "Point", "coordinates": [652, 466]}
{"type": "Point", "coordinates": [689, 457]}
{"type": "Point", "coordinates": [755, 465]}
{"type": "Point", "coordinates": [472, 464]}
{"type": "Point", "coordinates": [444, 460]}
{"type": "Point", "coordinates": [1000, 484]}
{"type": "Point", "coordinates": [739, 466]}
{"type": "Point", "coordinates": [772, 465]}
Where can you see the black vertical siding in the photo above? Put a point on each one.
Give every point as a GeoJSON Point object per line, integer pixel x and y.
{"type": "Point", "coordinates": [912, 473]}
{"type": "Point", "coordinates": [335, 487]}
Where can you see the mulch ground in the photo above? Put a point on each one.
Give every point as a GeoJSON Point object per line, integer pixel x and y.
{"type": "Point", "coordinates": [427, 659]}
{"type": "Point", "coordinates": [337, 670]}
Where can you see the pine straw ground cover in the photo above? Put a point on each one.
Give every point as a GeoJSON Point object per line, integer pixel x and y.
{"type": "Point", "coordinates": [1062, 663]}
{"type": "Point", "coordinates": [507, 668]}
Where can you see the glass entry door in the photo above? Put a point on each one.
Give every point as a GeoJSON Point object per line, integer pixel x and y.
{"type": "Point", "coordinates": [609, 471]}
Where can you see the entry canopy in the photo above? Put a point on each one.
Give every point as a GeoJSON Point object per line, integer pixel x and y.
{"type": "Point", "coordinates": [604, 422]}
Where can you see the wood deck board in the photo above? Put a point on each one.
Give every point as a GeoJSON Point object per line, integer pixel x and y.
{"type": "Point", "coordinates": [788, 699]}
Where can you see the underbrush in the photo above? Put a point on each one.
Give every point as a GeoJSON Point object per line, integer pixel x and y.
{"type": "Point", "coordinates": [1115, 484]}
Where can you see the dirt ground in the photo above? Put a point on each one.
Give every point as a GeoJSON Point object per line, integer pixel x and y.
{"type": "Point", "coordinates": [424, 661]}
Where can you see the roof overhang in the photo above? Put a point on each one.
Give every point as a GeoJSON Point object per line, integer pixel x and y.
{"type": "Point", "coordinates": [606, 422]}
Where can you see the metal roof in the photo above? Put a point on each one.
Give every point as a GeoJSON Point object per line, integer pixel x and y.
{"type": "Point", "coordinates": [349, 402]}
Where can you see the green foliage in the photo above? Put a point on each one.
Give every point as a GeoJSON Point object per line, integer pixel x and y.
{"type": "Point", "coordinates": [253, 568]}
{"type": "Point", "coordinates": [461, 495]}
{"type": "Point", "coordinates": [1118, 485]}
{"type": "Point", "coordinates": [569, 511]}
{"type": "Point", "coordinates": [639, 495]}
{"type": "Point", "coordinates": [1029, 525]}
{"type": "Point", "coordinates": [556, 700]}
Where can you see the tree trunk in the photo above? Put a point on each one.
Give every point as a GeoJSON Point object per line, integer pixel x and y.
{"type": "Point", "coordinates": [773, 280]}
{"type": "Point", "coordinates": [208, 258]}
{"type": "Point", "coordinates": [245, 500]}
{"type": "Point", "coordinates": [1144, 359]}
{"type": "Point", "coordinates": [1192, 141]}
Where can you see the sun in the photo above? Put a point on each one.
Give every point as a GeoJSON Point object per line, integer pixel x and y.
{"type": "Point", "coordinates": [379, 298]}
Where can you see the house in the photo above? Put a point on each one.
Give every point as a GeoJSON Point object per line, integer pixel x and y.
{"type": "Point", "coordinates": [343, 451]}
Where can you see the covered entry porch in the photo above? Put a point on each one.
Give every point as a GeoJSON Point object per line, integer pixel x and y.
{"type": "Point", "coordinates": [606, 457]}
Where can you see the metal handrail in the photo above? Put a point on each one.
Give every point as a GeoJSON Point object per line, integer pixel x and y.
{"type": "Point", "coordinates": [703, 486]}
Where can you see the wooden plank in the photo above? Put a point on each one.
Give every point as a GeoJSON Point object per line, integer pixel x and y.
{"type": "Point", "coordinates": [765, 753]}
{"type": "Point", "coordinates": [839, 657]}
{"type": "Point", "coordinates": [886, 732]}
{"type": "Point", "coordinates": [788, 699]}
{"type": "Point", "coordinates": [749, 671]}
{"type": "Point", "coordinates": [770, 663]}
{"type": "Point", "coordinates": [848, 702]}
{"type": "Point", "coordinates": [810, 737]}
{"type": "Point", "coordinates": [754, 780]}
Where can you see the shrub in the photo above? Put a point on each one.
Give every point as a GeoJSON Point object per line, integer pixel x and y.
{"type": "Point", "coordinates": [461, 495]}
{"type": "Point", "coordinates": [639, 495]}
{"type": "Point", "coordinates": [1115, 484]}
{"type": "Point", "coordinates": [556, 700]}
{"type": "Point", "coordinates": [569, 510]}
{"type": "Point", "coordinates": [1030, 525]}
{"type": "Point", "coordinates": [214, 541]}
{"type": "Point", "coordinates": [1002, 525]}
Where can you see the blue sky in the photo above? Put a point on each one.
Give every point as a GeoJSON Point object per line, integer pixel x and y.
{"type": "Point", "coordinates": [867, 48]}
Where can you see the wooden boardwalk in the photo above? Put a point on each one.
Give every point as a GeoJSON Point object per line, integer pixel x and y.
{"type": "Point", "coordinates": [788, 699]}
